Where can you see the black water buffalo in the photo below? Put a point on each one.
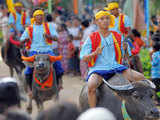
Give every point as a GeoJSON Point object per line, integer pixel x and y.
{"type": "Point", "coordinates": [13, 59]}
{"type": "Point", "coordinates": [44, 83]}
{"type": "Point", "coordinates": [137, 102]}
{"type": "Point", "coordinates": [14, 62]}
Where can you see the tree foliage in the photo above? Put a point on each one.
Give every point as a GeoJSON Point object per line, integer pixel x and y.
{"type": "Point", "coordinates": [146, 62]}
{"type": "Point", "coordinates": [155, 7]}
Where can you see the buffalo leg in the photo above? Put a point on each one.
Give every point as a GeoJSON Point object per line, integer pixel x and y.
{"type": "Point", "coordinates": [39, 105]}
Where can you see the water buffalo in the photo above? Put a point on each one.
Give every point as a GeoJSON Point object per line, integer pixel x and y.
{"type": "Point", "coordinates": [44, 83]}
{"type": "Point", "coordinates": [14, 61]}
{"type": "Point", "coordinates": [136, 102]}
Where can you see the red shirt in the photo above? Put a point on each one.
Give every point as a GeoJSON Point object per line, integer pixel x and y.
{"type": "Point", "coordinates": [136, 49]}
{"type": "Point", "coordinates": [71, 49]}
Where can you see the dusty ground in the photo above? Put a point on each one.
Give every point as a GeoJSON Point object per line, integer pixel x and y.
{"type": "Point", "coordinates": [71, 91]}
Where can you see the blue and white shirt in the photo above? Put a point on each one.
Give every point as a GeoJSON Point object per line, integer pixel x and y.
{"type": "Point", "coordinates": [106, 60]}
{"type": "Point", "coordinates": [156, 65]}
{"type": "Point", "coordinates": [17, 23]}
{"type": "Point", "coordinates": [39, 43]}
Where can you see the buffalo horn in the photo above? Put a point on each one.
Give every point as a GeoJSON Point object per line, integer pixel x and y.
{"type": "Point", "coordinates": [28, 59]}
{"type": "Point", "coordinates": [55, 58]}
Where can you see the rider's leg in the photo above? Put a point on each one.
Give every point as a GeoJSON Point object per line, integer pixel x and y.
{"type": "Point", "coordinates": [28, 78]}
{"type": "Point", "coordinates": [133, 75]}
{"type": "Point", "coordinates": [6, 44]}
{"type": "Point", "coordinates": [94, 82]}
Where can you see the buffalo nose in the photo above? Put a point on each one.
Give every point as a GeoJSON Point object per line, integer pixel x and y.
{"type": "Point", "coordinates": [155, 112]}
{"type": "Point", "coordinates": [40, 65]}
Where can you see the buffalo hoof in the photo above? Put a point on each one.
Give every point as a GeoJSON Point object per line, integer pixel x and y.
{"type": "Point", "coordinates": [29, 110]}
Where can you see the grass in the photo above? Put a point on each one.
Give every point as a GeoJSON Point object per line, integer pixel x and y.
{"type": "Point", "coordinates": [1, 37]}
{"type": "Point", "coordinates": [146, 62]}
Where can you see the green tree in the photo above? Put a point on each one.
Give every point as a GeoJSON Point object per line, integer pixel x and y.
{"type": "Point", "coordinates": [155, 7]}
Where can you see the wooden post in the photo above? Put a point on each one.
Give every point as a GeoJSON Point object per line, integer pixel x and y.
{"type": "Point", "coordinates": [75, 6]}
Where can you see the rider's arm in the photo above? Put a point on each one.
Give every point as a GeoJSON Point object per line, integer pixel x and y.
{"type": "Point", "coordinates": [53, 31]}
{"type": "Point", "coordinates": [86, 54]}
{"type": "Point", "coordinates": [127, 24]}
{"type": "Point", "coordinates": [11, 22]}
{"type": "Point", "coordinates": [125, 48]}
{"type": "Point", "coordinates": [24, 36]}
{"type": "Point", "coordinates": [27, 22]}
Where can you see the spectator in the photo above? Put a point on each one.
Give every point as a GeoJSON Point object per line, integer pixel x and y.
{"type": "Point", "coordinates": [63, 45]}
{"type": "Point", "coordinates": [158, 28]}
{"type": "Point", "coordinates": [155, 37]}
{"type": "Point", "coordinates": [156, 64]}
{"type": "Point", "coordinates": [75, 31]}
{"type": "Point", "coordinates": [49, 19]}
{"type": "Point", "coordinates": [71, 55]}
{"type": "Point", "coordinates": [17, 115]}
{"type": "Point", "coordinates": [69, 24]}
{"type": "Point", "coordinates": [137, 38]}
{"type": "Point", "coordinates": [154, 23]}
{"type": "Point", "coordinates": [86, 33]}
{"type": "Point", "coordinates": [62, 111]}
{"type": "Point", "coordinates": [137, 42]}
{"type": "Point", "coordinates": [4, 24]}
{"type": "Point", "coordinates": [9, 94]}
{"type": "Point", "coordinates": [97, 114]}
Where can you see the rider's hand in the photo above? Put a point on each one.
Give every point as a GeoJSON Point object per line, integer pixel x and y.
{"type": "Point", "coordinates": [47, 36]}
{"type": "Point", "coordinates": [125, 46]}
{"type": "Point", "coordinates": [19, 34]}
{"type": "Point", "coordinates": [99, 50]}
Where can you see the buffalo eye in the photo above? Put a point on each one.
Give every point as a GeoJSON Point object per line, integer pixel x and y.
{"type": "Point", "coordinates": [135, 94]}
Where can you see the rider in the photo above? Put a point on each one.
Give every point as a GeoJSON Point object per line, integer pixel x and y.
{"type": "Point", "coordinates": [18, 20]}
{"type": "Point", "coordinates": [38, 40]}
{"type": "Point", "coordinates": [102, 52]}
{"type": "Point", "coordinates": [122, 23]}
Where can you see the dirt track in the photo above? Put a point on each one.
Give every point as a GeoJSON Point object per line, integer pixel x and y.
{"type": "Point", "coordinates": [71, 91]}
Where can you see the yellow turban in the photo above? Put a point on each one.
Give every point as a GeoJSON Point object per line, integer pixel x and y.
{"type": "Point", "coordinates": [38, 12]}
{"type": "Point", "coordinates": [113, 5]}
{"type": "Point", "coordinates": [102, 13]}
{"type": "Point", "coordinates": [32, 21]}
{"type": "Point", "coordinates": [18, 4]}
{"type": "Point", "coordinates": [106, 8]}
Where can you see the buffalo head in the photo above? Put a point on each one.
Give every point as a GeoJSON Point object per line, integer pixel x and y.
{"type": "Point", "coordinates": [141, 101]}
{"type": "Point", "coordinates": [41, 63]}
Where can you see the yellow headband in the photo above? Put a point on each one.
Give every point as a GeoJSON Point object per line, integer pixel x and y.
{"type": "Point", "coordinates": [106, 8]}
{"type": "Point", "coordinates": [105, 13]}
{"type": "Point", "coordinates": [38, 12]}
{"type": "Point", "coordinates": [113, 5]}
{"type": "Point", "coordinates": [18, 4]}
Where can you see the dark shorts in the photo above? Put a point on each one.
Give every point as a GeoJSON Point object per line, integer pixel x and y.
{"type": "Point", "coordinates": [107, 74]}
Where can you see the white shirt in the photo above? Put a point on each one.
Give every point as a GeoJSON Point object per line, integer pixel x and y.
{"type": "Point", "coordinates": [54, 43]}
{"type": "Point", "coordinates": [74, 31]}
